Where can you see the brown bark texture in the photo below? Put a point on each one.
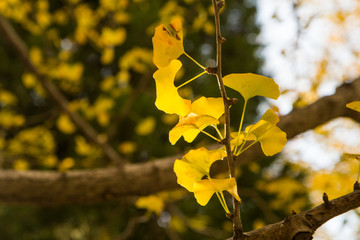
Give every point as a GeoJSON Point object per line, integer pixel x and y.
{"type": "Point", "coordinates": [302, 226]}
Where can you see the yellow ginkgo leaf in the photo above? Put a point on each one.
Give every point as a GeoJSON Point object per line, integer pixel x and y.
{"type": "Point", "coordinates": [213, 107]}
{"type": "Point", "coordinates": [204, 189]}
{"type": "Point", "coordinates": [204, 112]}
{"type": "Point", "coordinates": [250, 85]}
{"type": "Point", "coordinates": [167, 96]}
{"type": "Point", "coordinates": [167, 46]}
{"type": "Point", "coordinates": [354, 105]}
{"type": "Point", "coordinates": [271, 138]}
{"type": "Point", "coordinates": [195, 165]}
{"type": "Point", "coordinates": [190, 126]}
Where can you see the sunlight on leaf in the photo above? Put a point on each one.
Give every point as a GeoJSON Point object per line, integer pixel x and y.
{"type": "Point", "coordinates": [167, 46]}
{"type": "Point", "coordinates": [271, 137]}
{"type": "Point", "coordinates": [354, 105]}
{"type": "Point", "coordinates": [204, 112]}
{"type": "Point", "coordinates": [250, 85]}
{"type": "Point", "coordinates": [195, 165]}
{"type": "Point", "coordinates": [204, 189]}
{"type": "Point", "coordinates": [167, 96]}
{"type": "Point", "coordinates": [190, 126]}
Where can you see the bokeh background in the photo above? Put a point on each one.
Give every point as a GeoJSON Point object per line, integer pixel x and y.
{"type": "Point", "coordinates": [99, 55]}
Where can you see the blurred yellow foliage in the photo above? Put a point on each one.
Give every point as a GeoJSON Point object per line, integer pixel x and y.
{"type": "Point", "coordinates": [36, 142]}
{"type": "Point", "coordinates": [21, 165]}
{"type": "Point", "coordinates": [112, 37]}
{"type": "Point", "coordinates": [9, 119]}
{"type": "Point", "coordinates": [29, 80]}
{"type": "Point", "coordinates": [36, 56]}
{"type": "Point", "coordinates": [177, 224]}
{"type": "Point", "coordinates": [66, 164]}
{"type": "Point", "coordinates": [50, 161]}
{"type": "Point", "coordinates": [127, 147]}
{"type": "Point", "coordinates": [65, 125]}
{"type": "Point", "coordinates": [285, 198]}
{"type": "Point", "coordinates": [107, 55]}
{"type": "Point", "coordinates": [7, 98]}
{"type": "Point", "coordinates": [145, 126]}
{"type": "Point", "coordinates": [152, 203]}
{"type": "Point", "coordinates": [137, 59]}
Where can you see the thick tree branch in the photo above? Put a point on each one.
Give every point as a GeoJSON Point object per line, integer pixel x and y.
{"type": "Point", "coordinates": [89, 132]}
{"type": "Point", "coordinates": [302, 226]}
{"type": "Point", "coordinates": [86, 186]}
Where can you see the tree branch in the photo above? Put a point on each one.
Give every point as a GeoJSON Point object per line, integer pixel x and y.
{"type": "Point", "coordinates": [302, 226]}
{"type": "Point", "coordinates": [89, 132]}
{"type": "Point", "coordinates": [237, 224]}
{"type": "Point", "coordinates": [88, 186]}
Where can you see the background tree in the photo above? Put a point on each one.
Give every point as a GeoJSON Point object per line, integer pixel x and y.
{"type": "Point", "coordinates": [76, 98]}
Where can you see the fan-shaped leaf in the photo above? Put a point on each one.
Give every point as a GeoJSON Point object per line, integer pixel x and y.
{"type": "Point", "coordinates": [204, 189]}
{"type": "Point", "coordinates": [250, 85]}
{"type": "Point", "coordinates": [167, 96]}
{"type": "Point", "coordinates": [167, 46]}
{"type": "Point", "coordinates": [195, 165]}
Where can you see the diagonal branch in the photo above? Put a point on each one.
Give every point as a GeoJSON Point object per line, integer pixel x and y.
{"type": "Point", "coordinates": [302, 226]}
{"type": "Point", "coordinates": [20, 48]}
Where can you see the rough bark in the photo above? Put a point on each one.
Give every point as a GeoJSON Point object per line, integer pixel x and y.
{"type": "Point", "coordinates": [302, 226]}
{"type": "Point", "coordinates": [88, 186]}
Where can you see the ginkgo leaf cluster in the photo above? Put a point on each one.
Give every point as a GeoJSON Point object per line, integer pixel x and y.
{"type": "Point", "coordinates": [193, 169]}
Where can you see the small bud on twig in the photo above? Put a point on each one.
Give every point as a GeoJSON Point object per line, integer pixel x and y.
{"type": "Point", "coordinates": [211, 70]}
{"type": "Point", "coordinates": [326, 200]}
{"type": "Point", "coordinates": [232, 101]}
{"type": "Point", "coordinates": [356, 186]}
{"type": "Point", "coordinates": [220, 4]}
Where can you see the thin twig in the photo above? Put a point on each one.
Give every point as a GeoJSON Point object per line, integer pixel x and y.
{"type": "Point", "coordinates": [89, 132]}
{"type": "Point", "coordinates": [237, 224]}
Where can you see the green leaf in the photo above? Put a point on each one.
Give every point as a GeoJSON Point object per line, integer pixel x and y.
{"type": "Point", "coordinates": [250, 85]}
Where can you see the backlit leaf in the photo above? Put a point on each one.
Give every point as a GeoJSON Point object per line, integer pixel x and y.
{"type": "Point", "coordinates": [167, 46]}
{"type": "Point", "coordinates": [167, 96]}
{"type": "Point", "coordinates": [204, 112]}
{"type": "Point", "coordinates": [354, 105]}
{"type": "Point", "coordinates": [250, 85]}
{"type": "Point", "coordinates": [195, 165]}
{"type": "Point", "coordinates": [190, 126]}
{"type": "Point", "coordinates": [204, 189]}
{"type": "Point", "coordinates": [271, 137]}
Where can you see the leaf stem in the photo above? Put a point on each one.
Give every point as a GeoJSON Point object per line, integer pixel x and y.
{"type": "Point", "coordinates": [249, 146]}
{"type": "Point", "coordinates": [192, 79]}
{"type": "Point", "coordinates": [223, 204]}
{"type": "Point", "coordinates": [216, 139]}
{"type": "Point", "coordinates": [240, 127]}
{"type": "Point", "coordinates": [194, 61]}
{"type": "Point", "coordinates": [218, 131]}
